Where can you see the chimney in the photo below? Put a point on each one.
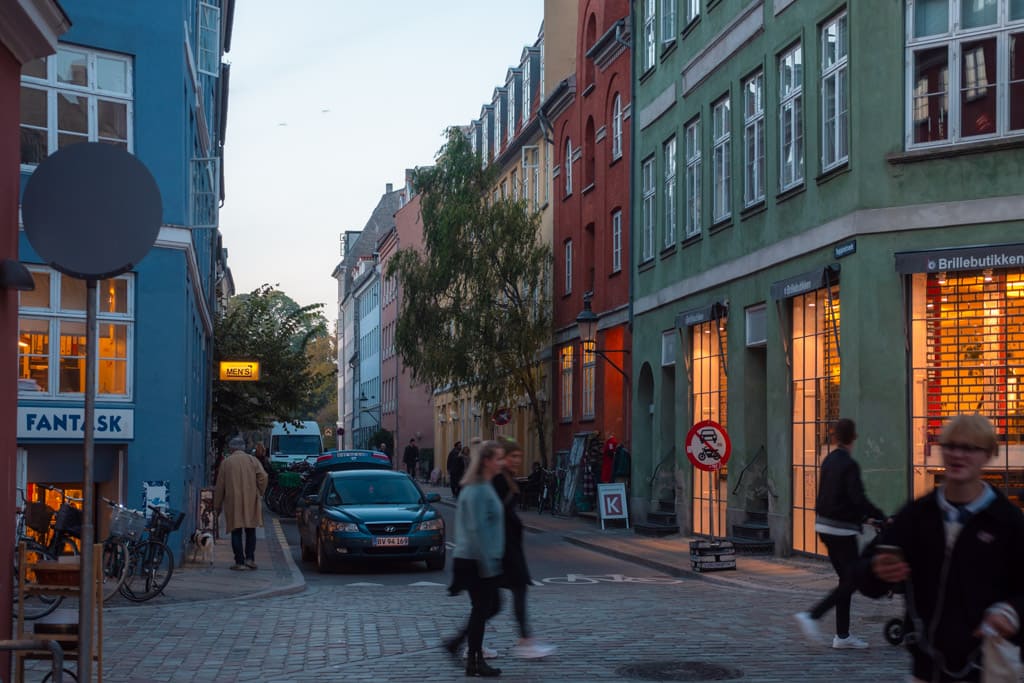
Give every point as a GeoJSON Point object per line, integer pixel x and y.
{"type": "Point", "coordinates": [389, 187]}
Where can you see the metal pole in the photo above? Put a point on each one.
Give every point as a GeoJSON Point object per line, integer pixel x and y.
{"type": "Point", "coordinates": [87, 598]}
{"type": "Point", "coordinates": [711, 512]}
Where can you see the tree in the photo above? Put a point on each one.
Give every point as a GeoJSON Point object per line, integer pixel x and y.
{"type": "Point", "coordinates": [475, 310]}
{"type": "Point", "coordinates": [262, 326]}
{"type": "Point", "coordinates": [323, 361]}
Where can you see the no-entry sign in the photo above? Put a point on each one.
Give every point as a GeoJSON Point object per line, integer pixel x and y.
{"type": "Point", "coordinates": [708, 446]}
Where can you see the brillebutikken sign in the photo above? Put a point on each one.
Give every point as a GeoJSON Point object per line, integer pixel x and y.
{"type": "Point", "coordinates": [952, 260]}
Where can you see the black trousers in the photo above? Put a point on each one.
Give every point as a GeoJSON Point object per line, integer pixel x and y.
{"type": "Point", "coordinates": [842, 553]}
{"type": "Point", "coordinates": [249, 553]}
{"type": "Point", "coordinates": [486, 603]}
{"type": "Point", "coordinates": [519, 607]}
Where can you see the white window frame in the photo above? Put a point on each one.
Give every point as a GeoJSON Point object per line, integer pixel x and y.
{"type": "Point", "coordinates": [526, 89]}
{"type": "Point", "coordinates": [835, 150]}
{"type": "Point", "coordinates": [650, 41]}
{"type": "Point", "coordinates": [567, 168]}
{"type": "Point", "coordinates": [588, 380]}
{"type": "Point", "coordinates": [649, 192]}
{"type": "Point", "coordinates": [568, 267]}
{"type": "Point", "coordinates": [791, 148]}
{"type": "Point", "coordinates": [514, 182]}
{"type": "Point", "coordinates": [617, 241]}
{"type": "Point", "coordinates": [498, 121]}
{"type": "Point", "coordinates": [692, 10]}
{"type": "Point", "coordinates": [693, 179]}
{"type": "Point", "coordinates": [721, 149]}
{"type": "Point", "coordinates": [617, 126]}
{"type": "Point", "coordinates": [511, 95]}
{"type": "Point", "coordinates": [530, 156]}
{"type": "Point", "coordinates": [668, 21]}
{"type": "Point", "coordinates": [566, 358]}
{"type": "Point", "coordinates": [753, 140]}
{"type": "Point", "coordinates": [208, 43]}
{"type": "Point", "coordinates": [669, 154]}
{"type": "Point", "coordinates": [484, 143]}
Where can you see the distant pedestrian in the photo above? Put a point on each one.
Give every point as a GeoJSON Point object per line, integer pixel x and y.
{"type": "Point", "coordinates": [261, 455]}
{"type": "Point", "coordinates": [479, 546]}
{"type": "Point", "coordinates": [239, 493]}
{"type": "Point", "coordinates": [842, 508]}
{"type": "Point", "coordinates": [411, 457]}
{"type": "Point", "coordinates": [456, 467]}
{"type": "Point", "coordinates": [515, 573]}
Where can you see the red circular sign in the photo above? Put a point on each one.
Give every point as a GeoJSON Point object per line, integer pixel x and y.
{"type": "Point", "coordinates": [501, 417]}
{"type": "Point", "coordinates": [708, 446]}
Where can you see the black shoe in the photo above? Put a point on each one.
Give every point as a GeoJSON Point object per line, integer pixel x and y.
{"type": "Point", "coordinates": [477, 667]}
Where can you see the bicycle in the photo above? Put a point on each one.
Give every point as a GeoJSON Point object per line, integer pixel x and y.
{"type": "Point", "coordinates": [151, 562]}
{"type": "Point", "coordinates": [126, 527]}
{"type": "Point", "coordinates": [36, 516]}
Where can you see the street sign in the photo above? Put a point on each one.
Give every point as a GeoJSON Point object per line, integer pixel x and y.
{"type": "Point", "coordinates": [501, 417]}
{"type": "Point", "coordinates": [708, 446]}
{"type": "Point", "coordinates": [239, 371]}
{"type": "Point", "coordinates": [611, 501]}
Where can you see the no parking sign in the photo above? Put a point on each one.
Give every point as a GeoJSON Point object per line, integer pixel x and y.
{"type": "Point", "coordinates": [708, 446]}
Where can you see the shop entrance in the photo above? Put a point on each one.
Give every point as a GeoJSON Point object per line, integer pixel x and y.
{"type": "Point", "coordinates": [709, 397]}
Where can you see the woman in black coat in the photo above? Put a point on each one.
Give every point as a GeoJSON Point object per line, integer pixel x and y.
{"type": "Point", "coordinates": [516, 575]}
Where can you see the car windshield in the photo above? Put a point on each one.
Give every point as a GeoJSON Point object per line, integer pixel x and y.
{"type": "Point", "coordinates": [296, 444]}
{"type": "Point", "coordinates": [371, 491]}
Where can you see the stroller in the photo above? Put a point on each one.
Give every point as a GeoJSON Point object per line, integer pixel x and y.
{"type": "Point", "coordinates": [895, 629]}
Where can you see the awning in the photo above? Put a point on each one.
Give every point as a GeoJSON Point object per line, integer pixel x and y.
{"type": "Point", "coordinates": [960, 258]}
{"type": "Point", "coordinates": [806, 282]}
{"type": "Point", "coordinates": [696, 316]}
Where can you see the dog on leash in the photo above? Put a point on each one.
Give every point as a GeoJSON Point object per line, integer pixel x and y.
{"type": "Point", "coordinates": [202, 546]}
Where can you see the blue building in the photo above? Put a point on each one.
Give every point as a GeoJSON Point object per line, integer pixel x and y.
{"type": "Point", "coordinates": [149, 78]}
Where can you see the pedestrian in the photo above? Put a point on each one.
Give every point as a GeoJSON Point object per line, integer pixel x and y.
{"type": "Point", "coordinates": [479, 546]}
{"type": "Point", "coordinates": [261, 455]}
{"type": "Point", "coordinates": [456, 468]}
{"type": "Point", "coordinates": [960, 552]}
{"type": "Point", "coordinates": [411, 457]}
{"type": "Point", "coordinates": [515, 573]}
{"type": "Point", "coordinates": [239, 493]}
{"type": "Point", "coordinates": [842, 508]}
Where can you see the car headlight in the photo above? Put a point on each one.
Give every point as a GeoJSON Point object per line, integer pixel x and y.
{"type": "Point", "coordinates": [332, 526]}
{"type": "Point", "coordinates": [432, 525]}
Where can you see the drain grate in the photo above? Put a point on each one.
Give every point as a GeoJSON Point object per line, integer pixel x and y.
{"type": "Point", "coordinates": [679, 671]}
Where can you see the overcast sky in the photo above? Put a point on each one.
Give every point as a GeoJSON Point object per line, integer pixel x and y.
{"type": "Point", "coordinates": [331, 100]}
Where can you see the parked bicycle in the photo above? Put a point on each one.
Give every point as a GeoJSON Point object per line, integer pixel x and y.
{"type": "Point", "coordinates": [126, 527]}
{"type": "Point", "coordinates": [551, 491]}
{"type": "Point", "coordinates": [150, 562]}
{"type": "Point", "coordinates": [53, 533]}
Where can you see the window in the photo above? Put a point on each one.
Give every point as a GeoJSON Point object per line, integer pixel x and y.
{"type": "Point", "coordinates": [670, 192]}
{"type": "Point", "coordinates": [648, 194]}
{"type": "Point", "coordinates": [498, 112]}
{"type": "Point", "coordinates": [649, 42]}
{"type": "Point", "coordinates": [485, 140]}
{"type": "Point", "coordinates": [77, 95]}
{"type": "Point", "coordinates": [511, 127]}
{"type": "Point", "coordinates": [531, 176]}
{"type": "Point", "coordinates": [616, 240]}
{"type": "Point", "coordinates": [693, 171]}
{"type": "Point", "coordinates": [567, 169]}
{"type": "Point", "coordinates": [209, 39]}
{"type": "Point", "coordinates": [589, 379]}
{"type": "Point", "coordinates": [834, 112]}
{"type": "Point", "coordinates": [52, 339]}
{"type": "Point", "coordinates": [568, 267]}
{"type": "Point", "coordinates": [791, 127]}
{"type": "Point", "coordinates": [566, 403]}
{"type": "Point", "coordinates": [753, 140]}
{"type": "Point", "coordinates": [527, 95]}
{"type": "Point", "coordinates": [504, 190]}
{"type": "Point", "coordinates": [709, 397]}
{"type": "Point", "coordinates": [668, 21]}
{"type": "Point", "coordinates": [692, 10]}
{"type": "Point", "coordinates": [617, 127]}
{"type": "Point", "coordinates": [721, 136]}
{"type": "Point", "coordinates": [965, 76]}
{"type": "Point", "coordinates": [514, 181]}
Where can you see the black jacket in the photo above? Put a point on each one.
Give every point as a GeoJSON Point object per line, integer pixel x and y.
{"type": "Point", "coordinates": [986, 566]}
{"type": "Point", "coordinates": [841, 500]}
{"type": "Point", "coordinates": [514, 569]}
{"type": "Point", "coordinates": [455, 465]}
{"type": "Point", "coordinates": [411, 455]}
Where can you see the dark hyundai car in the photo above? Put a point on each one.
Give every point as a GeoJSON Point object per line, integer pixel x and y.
{"type": "Point", "coordinates": [371, 515]}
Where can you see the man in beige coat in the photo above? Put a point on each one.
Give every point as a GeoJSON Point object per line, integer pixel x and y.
{"type": "Point", "coordinates": [241, 481]}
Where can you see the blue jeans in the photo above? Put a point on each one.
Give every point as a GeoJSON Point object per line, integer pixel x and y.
{"type": "Point", "coordinates": [250, 545]}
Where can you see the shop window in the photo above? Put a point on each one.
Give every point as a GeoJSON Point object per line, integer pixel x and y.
{"type": "Point", "coordinates": [589, 379]}
{"type": "Point", "coordinates": [566, 405]}
{"type": "Point", "coordinates": [967, 340]}
{"type": "Point", "coordinates": [816, 371]}
{"type": "Point", "coordinates": [709, 395]}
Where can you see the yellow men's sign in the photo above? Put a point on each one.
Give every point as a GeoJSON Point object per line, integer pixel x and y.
{"type": "Point", "coordinates": [240, 370]}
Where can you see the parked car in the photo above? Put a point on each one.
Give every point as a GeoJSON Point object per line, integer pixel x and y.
{"type": "Point", "coordinates": [335, 461]}
{"type": "Point", "coordinates": [370, 514]}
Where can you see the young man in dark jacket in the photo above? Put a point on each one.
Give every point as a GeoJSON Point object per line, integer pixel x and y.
{"type": "Point", "coordinates": [960, 549]}
{"type": "Point", "coordinates": [841, 507]}
{"type": "Point", "coordinates": [456, 467]}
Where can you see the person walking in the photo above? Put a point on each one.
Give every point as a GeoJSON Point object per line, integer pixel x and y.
{"type": "Point", "coordinates": [960, 552]}
{"type": "Point", "coordinates": [842, 508]}
{"type": "Point", "coordinates": [515, 573]}
{"type": "Point", "coordinates": [239, 494]}
{"type": "Point", "coordinates": [479, 546]}
{"type": "Point", "coordinates": [411, 457]}
{"type": "Point", "coordinates": [456, 467]}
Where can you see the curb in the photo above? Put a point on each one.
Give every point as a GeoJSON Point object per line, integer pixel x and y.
{"type": "Point", "coordinates": [669, 569]}
{"type": "Point", "coordinates": [297, 583]}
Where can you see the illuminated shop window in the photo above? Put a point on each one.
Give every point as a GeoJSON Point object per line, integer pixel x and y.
{"type": "Point", "coordinates": [566, 375]}
{"type": "Point", "coordinates": [709, 394]}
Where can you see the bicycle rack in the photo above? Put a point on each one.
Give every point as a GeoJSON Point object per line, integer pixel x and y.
{"type": "Point", "coordinates": [52, 645]}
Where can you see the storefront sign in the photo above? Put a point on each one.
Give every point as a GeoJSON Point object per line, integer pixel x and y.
{"type": "Point", "coordinates": [44, 422]}
{"type": "Point", "coordinates": [845, 249]}
{"type": "Point", "coordinates": [611, 502]}
{"type": "Point", "coordinates": [951, 260]}
{"type": "Point", "coordinates": [239, 371]}
{"type": "Point", "coordinates": [696, 316]}
{"type": "Point", "coordinates": [806, 282]}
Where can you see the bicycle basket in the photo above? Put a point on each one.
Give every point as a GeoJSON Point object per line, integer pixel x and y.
{"type": "Point", "coordinates": [38, 516]}
{"type": "Point", "coordinates": [69, 520]}
{"type": "Point", "coordinates": [127, 523]}
{"type": "Point", "coordinates": [168, 521]}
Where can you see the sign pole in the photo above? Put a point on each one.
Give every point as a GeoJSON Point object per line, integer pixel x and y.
{"type": "Point", "coordinates": [87, 597]}
{"type": "Point", "coordinates": [711, 512]}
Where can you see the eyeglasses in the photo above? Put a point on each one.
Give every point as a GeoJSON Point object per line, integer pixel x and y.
{"type": "Point", "coordinates": [965, 447]}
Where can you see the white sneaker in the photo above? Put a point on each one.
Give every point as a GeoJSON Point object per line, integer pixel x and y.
{"type": "Point", "coordinates": [488, 652]}
{"type": "Point", "coordinates": [849, 643]}
{"type": "Point", "coordinates": [533, 650]}
{"type": "Point", "coordinates": [808, 626]}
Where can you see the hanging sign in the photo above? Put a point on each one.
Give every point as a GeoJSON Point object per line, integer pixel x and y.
{"type": "Point", "coordinates": [708, 446]}
{"type": "Point", "coordinates": [240, 371]}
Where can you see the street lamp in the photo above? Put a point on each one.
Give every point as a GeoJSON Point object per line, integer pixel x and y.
{"type": "Point", "coordinates": [586, 323]}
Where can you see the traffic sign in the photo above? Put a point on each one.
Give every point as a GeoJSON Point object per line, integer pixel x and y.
{"type": "Point", "coordinates": [708, 446]}
{"type": "Point", "coordinates": [501, 417]}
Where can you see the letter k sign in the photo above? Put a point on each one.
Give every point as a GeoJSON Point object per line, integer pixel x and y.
{"type": "Point", "coordinates": [612, 505]}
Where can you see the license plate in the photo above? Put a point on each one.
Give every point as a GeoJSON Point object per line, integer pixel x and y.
{"type": "Point", "coordinates": [391, 540]}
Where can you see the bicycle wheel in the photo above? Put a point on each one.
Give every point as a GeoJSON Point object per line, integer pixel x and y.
{"type": "Point", "coordinates": [35, 606]}
{"type": "Point", "coordinates": [149, 571]}
{"type": "Point", "coordinates": [115, 566]}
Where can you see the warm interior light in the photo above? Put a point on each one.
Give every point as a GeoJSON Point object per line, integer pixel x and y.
{"type": "Point", "coordinates": [942, 278]}
{"type": "Point", "coordinates": [22, 344]}
{"type": "Point", "coordinates": [811, 304]}
{"type": "Point", "coordinates": [988, 274]}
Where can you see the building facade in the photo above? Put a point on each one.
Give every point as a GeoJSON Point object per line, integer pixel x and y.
{"type": "Point", "coordinates": [849, 246]}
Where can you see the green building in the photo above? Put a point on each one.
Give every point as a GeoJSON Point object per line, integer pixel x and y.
{"type": "Point", "coordinates": [828, 220]}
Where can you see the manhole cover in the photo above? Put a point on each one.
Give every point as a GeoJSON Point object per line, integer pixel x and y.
{"type": "Point", "coordinates": [679, 671]}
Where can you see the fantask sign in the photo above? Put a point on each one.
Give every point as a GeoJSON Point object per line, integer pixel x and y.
{"type": "Point", "coordinates": [46, 422]}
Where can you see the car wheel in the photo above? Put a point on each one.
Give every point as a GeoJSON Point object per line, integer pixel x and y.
{"type": "Point", "coordinates": [323, 563]}
{"type": "Point", "coordinates": [435, 564]}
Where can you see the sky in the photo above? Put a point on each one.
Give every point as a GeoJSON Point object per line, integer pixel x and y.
{"type": "Point", "coordinates": [333, 99]}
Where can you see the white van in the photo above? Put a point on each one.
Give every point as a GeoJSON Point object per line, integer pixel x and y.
{"type": "Point", "coordinates": [289, 444]}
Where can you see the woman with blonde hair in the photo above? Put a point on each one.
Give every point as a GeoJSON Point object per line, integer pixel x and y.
{"type": "Point", "coordinates": [479, 547]}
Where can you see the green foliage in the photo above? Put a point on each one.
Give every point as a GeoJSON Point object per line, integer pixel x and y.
{"type": "Point", "coordinates": [475, 310]}
{"type": "Point", "coordinates": [383, 436]}
{"type": "Point", "coordinates": [267, 326]}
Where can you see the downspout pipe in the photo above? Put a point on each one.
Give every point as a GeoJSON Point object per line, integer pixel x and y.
{"type": "Point", "coordinates": [632, 154]}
